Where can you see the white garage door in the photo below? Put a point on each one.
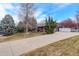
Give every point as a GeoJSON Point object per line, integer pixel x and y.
{"type": "Point", "coordinates": [64, 29]}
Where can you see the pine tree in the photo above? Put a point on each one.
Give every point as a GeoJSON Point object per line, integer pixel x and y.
{"type": "Point", "coordinates": [20, 27]}
{"type": "Point", "coordinates": [50, 25]}
{"type": "Point", "coordinates": [8, 25]}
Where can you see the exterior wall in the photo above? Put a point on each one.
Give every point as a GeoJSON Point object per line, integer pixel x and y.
{"type": "Point", "coordinates": [41, 29]}
{"type": "Point", "coordinates": [75, 30]}
{"type": "Point", "coordinates": [68, 30]}
{"type": "Point", "coordinates": [65, 29]}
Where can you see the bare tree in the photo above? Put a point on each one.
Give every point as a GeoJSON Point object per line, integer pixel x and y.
{"type": "Point", "coordinates": [68, 23]}
{"type": "Point", "coordinates": [26, 14]}
{"type": "Point", "coordinates": [33, 24]}
{"type": "Point", "coordinates": [77, 18]}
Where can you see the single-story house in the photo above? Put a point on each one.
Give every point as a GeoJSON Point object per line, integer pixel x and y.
{"type": "Point", "coordinates": [41, 27]}
{"type": "Point", "coordinates": [66, 28]}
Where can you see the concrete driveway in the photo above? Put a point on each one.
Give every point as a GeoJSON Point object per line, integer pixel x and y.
{"type": "Point", "coordinates": [18, 47]}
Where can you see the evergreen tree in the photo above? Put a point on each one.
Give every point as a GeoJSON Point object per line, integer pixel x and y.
{"type": "Point", "coordinates": [8, 25]}
{"type": "Point", "coordinates": [50, 25]}
{"type": "Point", "coordinates": [21, 27]}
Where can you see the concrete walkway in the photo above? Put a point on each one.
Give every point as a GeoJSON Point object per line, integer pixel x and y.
{"type": "Point", "coordinates": [18, 47]}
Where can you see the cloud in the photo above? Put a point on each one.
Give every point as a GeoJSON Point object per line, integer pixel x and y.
{"type": "Point", "coordinates": [2, 12]}
{"type": "Point", "coordinates": [38, 12]}
{"type": "Point", "coordinates": [7, 6]}
{"type": "Point", "coordinates": [61, 6]}
{"type": "Point", "coordinates": [42, 17]}
{"type": "Point", "coordinates": [39, 15]}
{"type": "Point", "coordinates": [73, 18]}
{"type": "Point", "coordinates": [15, 17]}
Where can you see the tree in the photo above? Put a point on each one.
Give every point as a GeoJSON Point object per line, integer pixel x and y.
{"type": "Point", "coordinates": [68, 23]}
{"type": "Point", "coordinates": [8, 25]}
{"type": "Point", "coordinates": [33, 24]}
{"type": "Point", "coordinates": [77, 16]}
{"type": "Point", "coordinates": [20, 27]}
{"type": "Point", "coordinates": [27, 14]}
{"type": "Point", "coordinates": [50, 25]}
{"type": "Point", "coordinates": [77, 19]}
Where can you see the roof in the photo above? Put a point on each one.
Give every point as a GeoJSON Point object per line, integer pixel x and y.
{"type": "Point", "coordinates": [41, 23]}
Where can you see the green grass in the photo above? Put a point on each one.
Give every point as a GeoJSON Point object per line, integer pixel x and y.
{"type": "Point", "coordinates": [68, 47]}
{"type": "Point", "coordinates": [19, 36]}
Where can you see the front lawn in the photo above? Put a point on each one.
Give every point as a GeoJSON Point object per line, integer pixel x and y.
{"type": "Point", "coordinates": [68, 47]}
{"type": "Point", "coordinates": [19, 36]}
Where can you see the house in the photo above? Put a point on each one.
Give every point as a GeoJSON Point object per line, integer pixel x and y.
{"type": "Point", "coordinates": [67, 27]}
{"type": "Point", "coordinates": [41, 26]}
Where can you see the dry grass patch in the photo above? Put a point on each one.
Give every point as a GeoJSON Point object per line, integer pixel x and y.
{"type": "Point", "coordinates": [68, 47]}
{"type": "Point", "coordinates": [18, 36]}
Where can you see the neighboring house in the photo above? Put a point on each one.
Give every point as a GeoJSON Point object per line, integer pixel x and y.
{"type": "Point", "coordinates": [68, 25]}
{"type": "Point", "coordinates": [66, 28]}
{"type": "Point", "coordinates": [41, 27]}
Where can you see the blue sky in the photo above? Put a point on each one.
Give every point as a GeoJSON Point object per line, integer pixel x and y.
{"type": "Point", "coordinates": [58, 11]}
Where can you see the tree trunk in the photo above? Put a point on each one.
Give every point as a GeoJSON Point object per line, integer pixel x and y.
{"type": "Point", "coordinates": [26, 28]}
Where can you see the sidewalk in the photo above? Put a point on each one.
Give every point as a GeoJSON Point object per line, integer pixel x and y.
{"type": "Point", "coordinates": [18, 47]}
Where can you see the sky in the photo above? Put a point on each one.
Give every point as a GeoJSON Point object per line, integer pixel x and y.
{"type": "Point", "coordinates": [59, 11]}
